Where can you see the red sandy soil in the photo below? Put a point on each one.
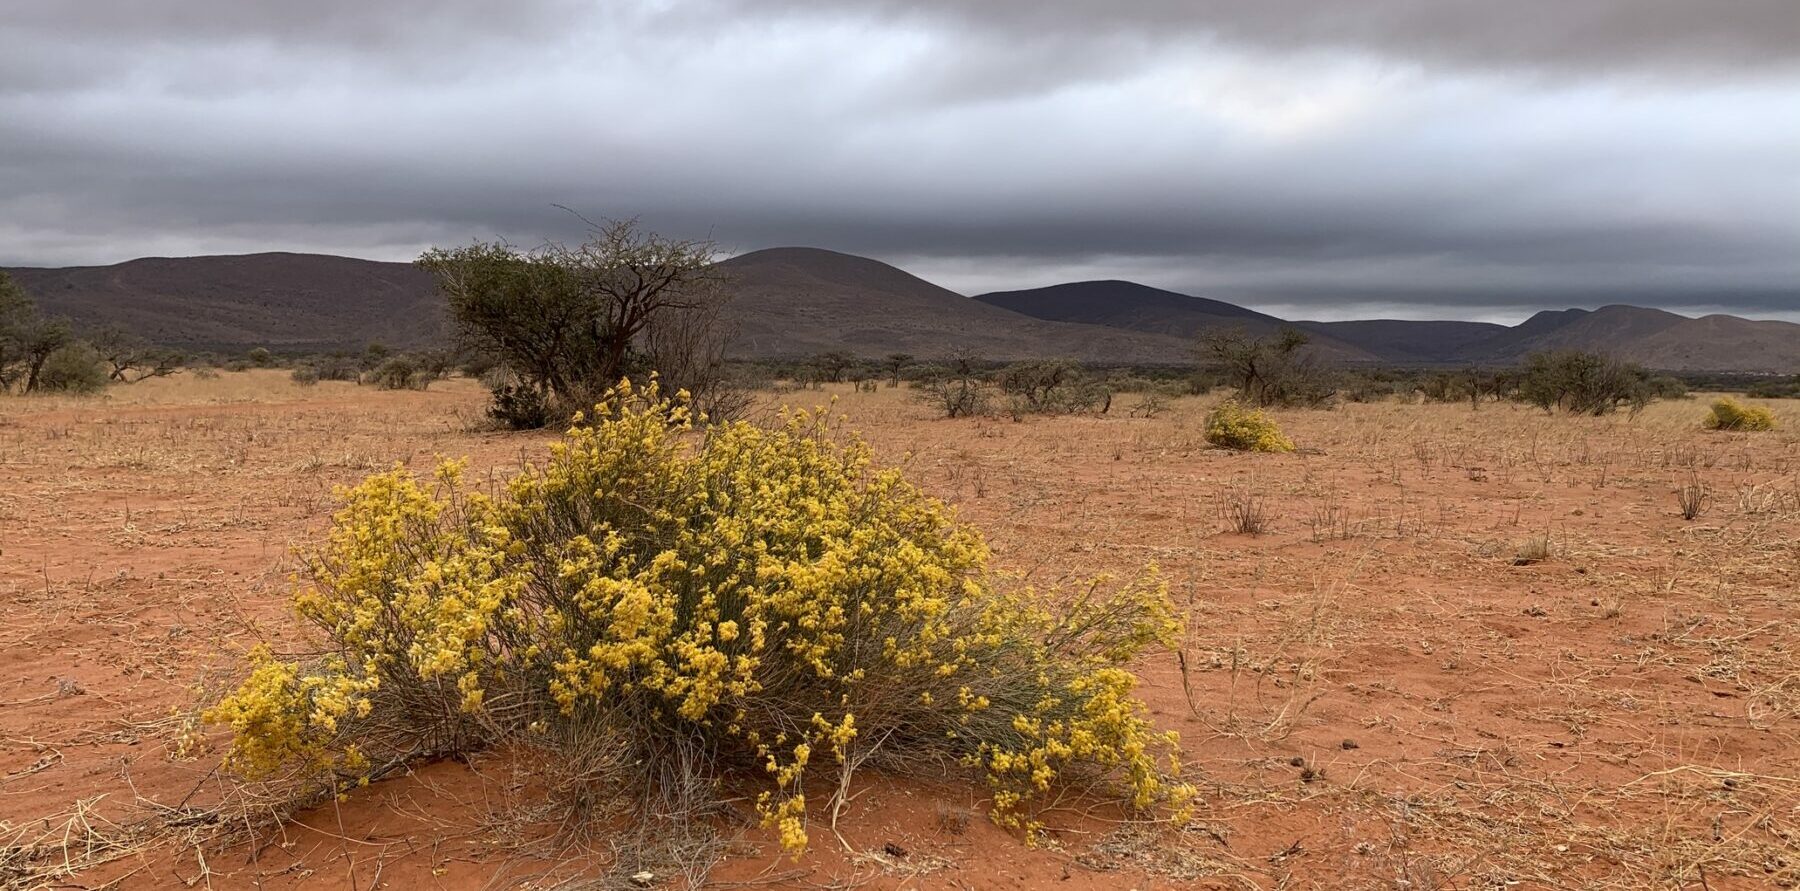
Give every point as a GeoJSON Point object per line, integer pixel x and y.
{"type": "Point", "coordinates": [1385, 689]}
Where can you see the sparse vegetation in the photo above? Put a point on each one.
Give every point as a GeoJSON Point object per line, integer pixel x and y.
{"type": "Point", "coordinates": [1692, 497]}
{"type": "Point", "coordinates": [1246, 510]}
{"type": "Point", "coordinates": [1311, 660]}
{"type": "Point", "coordinates": [1052, 387]}
{"type": "Point", "coordinates": [1782, 389]}
{"type": "Point", "coordinates": [956, 388]}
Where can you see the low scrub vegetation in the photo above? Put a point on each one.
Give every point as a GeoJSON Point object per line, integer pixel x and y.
{"type": "Point", "coordinates": [1052, 387]}
{"type": "Point", "coordinates": [1730, 414]}
{"type": "Point", "coordinates": [1783, 389]}
{"type": "Point", "coordinates": [956, 389]}
{"type": "Point", "coordinates": [666, 620]}
{"type": "Point", "coordinates": [1232, 426]}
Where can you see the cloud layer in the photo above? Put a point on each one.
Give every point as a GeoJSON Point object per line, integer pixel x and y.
{"type": "Point", "coordinates": [1416, 157]}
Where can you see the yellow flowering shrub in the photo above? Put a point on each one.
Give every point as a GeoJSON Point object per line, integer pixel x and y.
{"type": "Point", "coordinates": [1730, 414]}
{"type": "Point", "coordinates": [1233, 426]}
{"type": "Point", "coordinates": [696, 608]}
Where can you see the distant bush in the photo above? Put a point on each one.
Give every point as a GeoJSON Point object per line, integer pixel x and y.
{"type": "Point", "coordinates": [1269, 371]}
{"type": "Point", "coordinates": [1663, 386]}
{"type": "Point", "coordinates": [75, 368]}
{"type": "Point", "coordinates": [1584, 383]}
{"type": "Point", "coordinates": [259, 357]}
{"type": "Point", "coordinates": [1052, 387]}
{"type": "Point", "coordinates": [1774, 390]}
{"type": "Point", "coordinates": [750, 376]}
{"type": "Point", "coordinates": [1233, 426]}
{"type": "Point", "coordinates": [957, 388]}
{"type": "Point", "coordinates": [1730, 414]}
{"type": "Point", "coordinates": [1471, 385]}
{"type": "Point", "coordinates": [1370, 387]}
{"type": "Point", "coordinates": [652, 612]}
{"type": "Point", "coordinates": [402, 372]}
{"type": "Point", "coordinates": [306, 375]}
{"type": "Point", "coordinates": [895, 365]}
{"type": "Point", "coordinates": [476, 364]}
{"type": "Point", "coordinates": [338, 367]}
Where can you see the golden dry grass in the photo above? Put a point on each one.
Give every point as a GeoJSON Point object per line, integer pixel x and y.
{"type": "Point", "coordinates": [1469, 649]}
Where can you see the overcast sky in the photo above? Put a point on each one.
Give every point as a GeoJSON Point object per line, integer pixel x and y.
{"type": "Point", "coordinates": [1406, 158]}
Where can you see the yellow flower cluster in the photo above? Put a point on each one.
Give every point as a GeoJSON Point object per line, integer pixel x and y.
{"type": "Point", "coordinates": [768, 591]}
{"type": "Point", "coordinates": [1730, 414]}
{"type": "Point", "coordinates": [281, 717]}
{"type": "Point", "coordinates": [1233, 426]}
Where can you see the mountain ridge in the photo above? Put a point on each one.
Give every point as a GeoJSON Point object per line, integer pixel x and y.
{"type": "Point", "coordinates": [791, 302]}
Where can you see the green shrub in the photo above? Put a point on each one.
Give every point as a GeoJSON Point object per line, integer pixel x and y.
{"type": "Point", "coordinates": [401, 372]}
{"type": "Point", "coordinates": [1584, 383]}
{"type": "Point", "coordinates": [660, 615]}
{"type": "Point", "coordinates": [1730, 414]}
{"type": "Point", "coordinates": [1233, 426]}
{"type": "Point", "coordinates": [306, 375]}
{"type": "Point", "coordinates": [517, 405]}
{"type": "Point", "coordinates": [74, 368]}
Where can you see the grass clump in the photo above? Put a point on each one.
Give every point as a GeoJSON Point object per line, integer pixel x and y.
{"type": "Point", "coordinates": [661, 617]}
{"type": "Point", "coordinates": [1233, 426]}
{"type": "Point", "coordinates": [1730, 414]}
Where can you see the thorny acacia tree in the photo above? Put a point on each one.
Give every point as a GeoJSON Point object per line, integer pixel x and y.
{"type": "Point", "coordinates": [130, 358]}
{"type": "Point", "coordinates": [27, 338]}
{"type": "Point", "coordinates": [1268, 370]}
{"type": "Point", "coordinates": [569, 322]}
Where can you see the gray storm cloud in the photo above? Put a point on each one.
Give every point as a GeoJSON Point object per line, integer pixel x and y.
{"type": "Point", "coordinates": [1429, 157]}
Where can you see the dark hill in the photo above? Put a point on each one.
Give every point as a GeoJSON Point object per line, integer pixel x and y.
{"type": "Point", "coordinates": [1129, 305]}
{"type": "Point", "coordinates": [796, 301]}
{"type": "Point", "coordinates": [278, 300]}
{"type": "Point", "coordinates": [1410, 342]}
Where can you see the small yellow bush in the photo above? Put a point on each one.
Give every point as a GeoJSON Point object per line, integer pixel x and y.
{"type": "Point", "coordinates": [1233, 426]}
{"type": "Point", "coordinates": [659, 610]}
{"type": "Point", "coordinates": [1730, 414]}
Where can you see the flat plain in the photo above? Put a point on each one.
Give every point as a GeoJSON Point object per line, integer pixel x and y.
{"type": "Point", "coordinates": [1467, 649]}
